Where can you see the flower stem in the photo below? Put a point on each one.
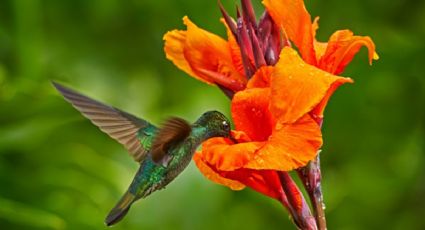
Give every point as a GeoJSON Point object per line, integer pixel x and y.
{"type": "Point", "coordinates": [297, 205]}
{"type": "Point", "coordinates": [311, 177]}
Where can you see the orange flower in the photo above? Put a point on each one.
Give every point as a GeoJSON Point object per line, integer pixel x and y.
{"type": "Point", "coordinates": [204, 56]}
{"type": "Point", "coordinates": [228, 64]}
{"type": "Point", "coordinates": [333, 56]}
{"type": "Point", "coordinates": [276, 127]}
{"type": "Point", "coordinates": [278, 98]}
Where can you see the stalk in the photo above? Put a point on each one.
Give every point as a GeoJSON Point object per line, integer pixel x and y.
{"type": "Point", "coordinates": [311, 177]}
{"type": "Point", "coordinates": [297, 205]}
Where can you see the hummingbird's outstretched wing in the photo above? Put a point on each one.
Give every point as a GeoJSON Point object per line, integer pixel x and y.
{"type": "Point", "coordinates": [125, 128]}
{"type": "Point", "coordinates": [172, 131]}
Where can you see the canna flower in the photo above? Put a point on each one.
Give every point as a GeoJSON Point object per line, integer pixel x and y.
{"type": "Point", "coordinates": [205, 56]}
{"type": "Point", "coordinates": [332, 56]}
{"type": "Point", "coordinates": [250, 45]}
{"type": "Point", "coordinates": [276, 122]}
{"type": "Point", "coordinates": [278, 96]}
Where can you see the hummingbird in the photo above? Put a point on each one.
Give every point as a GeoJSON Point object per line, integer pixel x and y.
{"type": "Point", "coordinates": [163, 152]}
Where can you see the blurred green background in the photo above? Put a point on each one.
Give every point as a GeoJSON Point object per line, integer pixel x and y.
{"type": "Point", "coordinates": [58, 171]}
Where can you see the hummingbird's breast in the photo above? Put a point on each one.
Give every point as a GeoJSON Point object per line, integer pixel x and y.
{"type": "Point", "coordinates": [181, 156]}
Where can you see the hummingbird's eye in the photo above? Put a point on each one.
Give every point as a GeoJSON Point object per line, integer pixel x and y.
{"type": "Point", "coordinates": [225, 125]}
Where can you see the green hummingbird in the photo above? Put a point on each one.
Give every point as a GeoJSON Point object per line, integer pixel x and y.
{"type": "Point", "coordinates": [163, 152]}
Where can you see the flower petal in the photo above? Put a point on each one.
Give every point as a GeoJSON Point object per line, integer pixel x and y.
{"type": "Point", "coordinates": [296, 21]}
{"type": "Point", "coordinates": [297, 88]}
{"type": "Point", "coordinates": [240, 136]}
{"type": "Point", "coordinates": [341, 48]}
{"type": "Point", "coordinates": [203, 55]}
{"type": "Point", "coordinates": [224, 155]}
{"type": "Point", "coordinates": [261, 78]}
{"type": "Point", "coordinates": [263, 181]}
{"type": "Point", "coordinates": [251, 114]}
{"type": "Point", "coordinates": [319, 47]}
{"type": "Point", "coordinates": [174, 50]}
{"type": "Point", "coordinates": [291, 146]}
{"type": "Point", "coordinates": [214, 176]}
{"type": "Point", "coordinates": [235, 51]}
{"type": "Point", "coordinates": [317, 112]}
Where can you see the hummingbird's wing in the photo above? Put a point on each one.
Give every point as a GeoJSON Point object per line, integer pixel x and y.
{"type": "Point", "coordinates": [134, 133]}
{"type": "Point", "coordinates": [172, 131]}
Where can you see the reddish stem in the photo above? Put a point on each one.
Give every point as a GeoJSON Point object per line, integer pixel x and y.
{"type": "Point", "coordinates": [311, 177]}
{"type": "Point", "coordinates": [297, 205]}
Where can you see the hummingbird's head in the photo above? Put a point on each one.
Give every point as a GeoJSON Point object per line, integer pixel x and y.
{"type": "Point", "coordinates": [216, 123]}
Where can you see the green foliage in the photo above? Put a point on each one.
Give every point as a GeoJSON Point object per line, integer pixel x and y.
{"type": "Point", "coordinates": [57, 171]}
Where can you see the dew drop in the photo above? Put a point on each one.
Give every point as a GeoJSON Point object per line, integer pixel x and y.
{"type": "Point", "coordinates": [260, 160]}
{"type": "Point", "coordinates": [279, 126]}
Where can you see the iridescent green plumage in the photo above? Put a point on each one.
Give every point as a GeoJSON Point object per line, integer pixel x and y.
{"type": "Point", "coordinates": [163, 153]}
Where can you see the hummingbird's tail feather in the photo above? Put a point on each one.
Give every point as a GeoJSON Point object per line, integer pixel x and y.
{"type": "Point", "coordinates": [120, 209]}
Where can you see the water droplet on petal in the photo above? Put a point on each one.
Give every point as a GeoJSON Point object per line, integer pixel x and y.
{"type": "Point", "coordinates": [260, 160]}
{"type": "Point", "coordinates": [279, 126]}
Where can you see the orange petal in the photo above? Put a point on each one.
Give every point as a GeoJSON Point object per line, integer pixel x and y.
{"type": "Point", "coordinates": [212, 175]}
{"type": "Point", "coordinates": [341, 48]}
{"type": "Point", "coordinates": [174, 50]}
{"type": "Point", "coordinates": [297, 87]}
{"type": "Point", "coordinates": [203, 55]}
{"type": "Point", "coordinates": [251, 114]}
{"type": "Point", "coordinates": [263, 181]}
{"type": "Point", "coordinates": [240, 136]}
{"type": "Point", "coordinates": [317, 112]}
{"type": "Point", "coordinates": [291, 146]}
{"type": "Point", "coordinates": [261, 78]}
{"type": "Point", "coordinates": [235, 50]}
{"type": "Point", "coordinates": [315, 26]}
{"type": "Point", "coordinates": [296, 21]}
{"type": "Point", "coordinates": [224, 155]}
{"type": "Point", "coordinates": [319, 47]}
{"type": "Point", "coordinates": [208, 54]}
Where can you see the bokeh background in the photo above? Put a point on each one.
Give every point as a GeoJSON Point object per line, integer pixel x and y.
{"type": "Point", "coordinates": [58, 171]}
